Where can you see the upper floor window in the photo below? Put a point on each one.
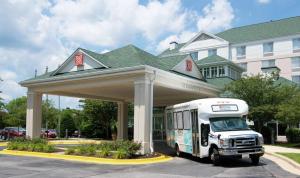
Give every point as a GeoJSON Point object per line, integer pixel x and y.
{"type": "Point", "coordinates": [194, 56]}
{"type": "Point", "coordinates": [212, 52]}
{"type": "Point", "coordinates": [268, 48]}
{"type": "Point", "coordinates": [296, 44]}
{"type": "Point", "coordinates": [241, 52]}
{"type": "Point", "coordinates": [295, 62]}
{"type": "Point", "coordinates": [243, 65]}
{"type": "Point", "coordinates": [268, 63]}
{"type": "Point", "coordinates": [296, 79]}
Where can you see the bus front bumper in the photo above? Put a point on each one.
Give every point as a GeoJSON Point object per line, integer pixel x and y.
{"type": "Point", "coordinates": [258, 150]}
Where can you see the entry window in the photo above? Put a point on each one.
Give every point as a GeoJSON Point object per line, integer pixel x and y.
{"type": "Point", "coordinates": [214, 72]}
{"type": "Point", "coordinates": [221, 71]}
{"type": "Point", "coordinates": [174, 120]}
{"type": "Point", "coordinates": [186, 120]}
{"type": "Point", "coordinates": [179, 120]}
{"type": "Point", "coordinates": [206, 72]}
{"type": "Point", "coordinates": [170, 121]}
{"type": "Point", "coordinates": [204, 134]}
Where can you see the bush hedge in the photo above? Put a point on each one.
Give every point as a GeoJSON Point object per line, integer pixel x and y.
{"type": "Point", "coordinates": [117, 150]}
{"type": "Point", "coordinates": [37, 145]}
{"type": "Point", "coordinates": [293, 135]}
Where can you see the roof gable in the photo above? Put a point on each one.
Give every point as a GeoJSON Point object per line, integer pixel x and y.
{"type": "Point", "coordinates": [188, 67]}
{"type": "Point", "coordinates": [89, 62]}
{"type": "Point", "coordinates": [203, 40]}
{"type": "Point", "coordinates": [216, 60]}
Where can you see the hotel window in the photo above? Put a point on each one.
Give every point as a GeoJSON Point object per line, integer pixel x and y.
{"type": "Point", "coordinates": [244, 66]}
{"type": "Point", "coordinates": [295, 62]}
{"type": "Point", "coordinates": [194, 56]}
{"type": "Point", "coordinates": [212, 52]}
{"type": "Point", "coordinates": [296, 79]}
{"type": "Point", "coordinates": [214, 72]}
{"type": "Point", "coordinates": [206, 73]}
{"type": "Point", "coordinates": [268, 63]}
{"type": "Point", "coordinates": [241, 52]}
{"type": "Point", "coordinates": [179, 120]}
{"type": "Point", "coordinates": [221, 71]}
{"type": "Point", "coordinates": [268, 48]}
{"type": "Point", "coordinates": [296, 45]}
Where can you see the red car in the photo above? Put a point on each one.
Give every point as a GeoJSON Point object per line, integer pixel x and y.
{"type": "Point", "coordinates": [50, 133]}
{"type": "Point", "coordinates": [13, 132]}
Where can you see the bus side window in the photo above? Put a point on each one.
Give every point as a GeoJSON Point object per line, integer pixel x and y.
{"type": "Point", "coordinates": [170, 121]}
{"type": "Point", "coordinates": [174, 120]}
{"type": "Point", "coordinates": [179, 120]}
{"type": "Point", "coordinates": [204, 134]}
{"type": "Point", "coordinates": [186, 120]}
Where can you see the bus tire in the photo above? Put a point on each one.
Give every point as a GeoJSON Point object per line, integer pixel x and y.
{"type": "Point", "coordinates": [177, 150]}
{"type": "Point", "coordinates": [254, 159]}
{"type": "Point", "coordinates": [215, 156]}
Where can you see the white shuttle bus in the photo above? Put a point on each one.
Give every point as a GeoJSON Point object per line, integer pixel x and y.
{"type": "Point", "coordinates": [214, 128]}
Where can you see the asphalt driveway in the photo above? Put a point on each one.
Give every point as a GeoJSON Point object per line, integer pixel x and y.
{"type": "Point", "coordinates": [17, 166]}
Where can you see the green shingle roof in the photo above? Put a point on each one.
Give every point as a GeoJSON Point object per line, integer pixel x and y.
{"type": "Point", "coordinates": [172, 52]}
{"type": "Point", "coordinates": [215, 59]}
{"type": "Point", "coordinates": [220, 82]}
{"type": "Point", "coordinates": [262, 31]}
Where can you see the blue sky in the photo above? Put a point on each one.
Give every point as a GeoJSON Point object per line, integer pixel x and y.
{"type": "Point", "coordinates": [39, 33]}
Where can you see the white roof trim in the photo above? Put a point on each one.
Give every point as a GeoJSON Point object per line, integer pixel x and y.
{"type": "Point", "coordinates": [200, 33]}
{"type": "Point", "coordinates": [69, 58]}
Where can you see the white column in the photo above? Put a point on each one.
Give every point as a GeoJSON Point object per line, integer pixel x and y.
{"type": "Point", "coordinates": [142, 113]}
{"type": "Point", "coordinates": [122, 121]}
{"type": "Point", "coordinates": [34, 114]}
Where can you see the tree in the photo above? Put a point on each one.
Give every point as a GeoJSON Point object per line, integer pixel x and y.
{"type": "Point", "coordinates": [67, 122]}
{"type": "Point", "coordinates": [289, 112]}
{"type": "Point", "coordinates": [49, 115]}
{"type": "Point", "coordinates": [263, 96]}
{"type": "Point", "coordinates": [100, 115]}
{"type": "Point", "coordinates": [16, 109]}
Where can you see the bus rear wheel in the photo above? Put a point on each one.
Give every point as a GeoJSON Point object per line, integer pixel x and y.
{"type": "Point", "coordinates": [215, 156]}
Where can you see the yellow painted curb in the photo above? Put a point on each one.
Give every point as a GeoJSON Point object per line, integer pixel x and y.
{"type": "Point", "coordinates": [73, 142]}
{"type": "Point", "coordinates": [3, 143]}
{"type": "Point", "coordinates": [85, 159]}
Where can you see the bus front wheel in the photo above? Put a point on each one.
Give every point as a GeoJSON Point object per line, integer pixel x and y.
{"type": "Point", "coordinates": [215, 156]}
{"type": "Point", "coordinates": [178, 152]}
{"type": "Point", "coordinates": [254, 159]}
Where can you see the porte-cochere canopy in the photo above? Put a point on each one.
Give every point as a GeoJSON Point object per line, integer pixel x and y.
{"type": "Point", "coordinates": [123, 75]}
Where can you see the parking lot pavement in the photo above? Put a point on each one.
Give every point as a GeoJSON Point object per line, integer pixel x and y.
{"type": "Point", "coordinates": [25, 167]}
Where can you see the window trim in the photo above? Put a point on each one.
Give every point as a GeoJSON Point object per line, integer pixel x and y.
{"type": "Point", "coordinates": [241, 56]}
{"type": "Point", "coordinates": [268, 53]}
{"type": "Point", "coordinates": [295, 58]}
{"type": "Point", "coordinates": [181, 120]}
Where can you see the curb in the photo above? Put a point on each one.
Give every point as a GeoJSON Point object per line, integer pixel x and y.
{"type": "Point", "coordinates": [3, 143]}
{"type": "Point", "coordinates": [295, 167]}
{"type": "Point", "coordinates": [86, 159]}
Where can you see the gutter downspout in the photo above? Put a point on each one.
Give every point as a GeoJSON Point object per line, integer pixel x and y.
{"type": "Point", "coordinates": [152, 78]}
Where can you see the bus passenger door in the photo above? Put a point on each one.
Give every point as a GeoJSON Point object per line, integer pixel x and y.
{"type": "Point", "coordinates": [195, 132]}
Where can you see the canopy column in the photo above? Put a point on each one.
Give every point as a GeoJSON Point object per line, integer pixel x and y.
{"type": "Point", "coordinates": [143, 100]}
{"type": "Point", "coordinates": [122, 121]}
{"type": "Point", "coordinates": [34, 114]}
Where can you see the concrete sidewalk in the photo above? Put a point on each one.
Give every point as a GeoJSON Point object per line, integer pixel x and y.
{"type": "Point", "coordinates": [284, 162]}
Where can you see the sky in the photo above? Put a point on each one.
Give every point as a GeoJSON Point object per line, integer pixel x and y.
{"type": "Point", "coordinates": [39, 33]}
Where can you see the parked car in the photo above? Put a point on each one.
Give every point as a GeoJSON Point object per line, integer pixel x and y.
{"type": "Point", "coordinates": [13, 132]}
{"type": "Point", "coordinates": [50, 133]}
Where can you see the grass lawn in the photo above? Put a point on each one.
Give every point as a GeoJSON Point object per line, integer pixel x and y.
{"type": "Point", "coordinates": [293, 156]}
{"type": "Point", "coordinates": [288, 145]}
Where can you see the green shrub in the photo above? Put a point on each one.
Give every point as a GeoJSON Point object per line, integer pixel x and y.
{"type": "Point", "coordinates": [38, 145]}
{"type": "Point", "coordinates": [70, 151]}
{"type": "Point", "coordinates": [121, 153]}
{"type": "Point", "coordinates": [48, 148]}
{"type": "Point", "coordinates": [104, 152]}
{"type": "Point", "coordinates": [293, 135]}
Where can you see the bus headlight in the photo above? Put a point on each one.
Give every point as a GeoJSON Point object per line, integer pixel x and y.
{"type": "Point", "coordinates": [224, 142]}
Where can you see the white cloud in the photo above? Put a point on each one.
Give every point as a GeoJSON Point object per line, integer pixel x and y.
{"type": "Point", "coordinates": [181, 38]}
{"type": "Point", "coordinates": [217, 15]}
{"type": "Point", "coordinates": [263, 1]}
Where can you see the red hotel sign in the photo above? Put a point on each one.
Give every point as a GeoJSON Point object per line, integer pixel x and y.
{"type": "Point", "coordinates": [78, 59]}
{"type": "Point", "coordinates": [189, 65]}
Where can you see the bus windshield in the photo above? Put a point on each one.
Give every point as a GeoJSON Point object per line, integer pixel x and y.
{"type": "Point", "coordinates": [221, 124]}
